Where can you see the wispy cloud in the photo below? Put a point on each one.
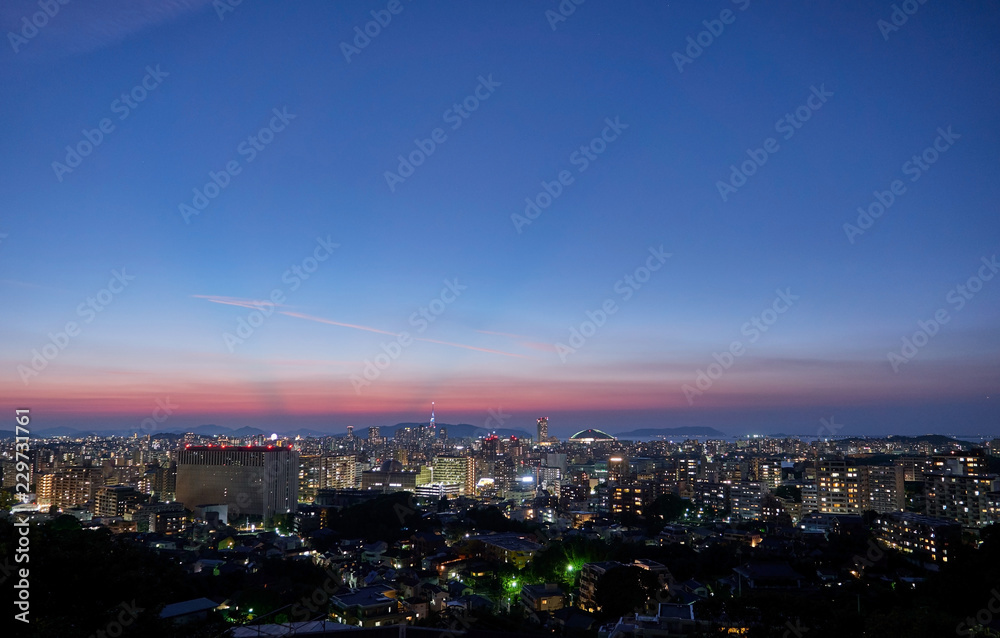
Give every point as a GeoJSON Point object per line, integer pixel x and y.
{"type": "Point", "coordinates": [236, 301]}
{"type": "Point", "coordinates": [299, 315]}
{"type": "Point", "coordinates": [253, 304]}
{"type": "Point", "coordinates": [501, 334]}
{"type": "Point", "coordinates": [87, 26]}
{"type": "Point", "coordinates": [460, 345]}
{"type": "Point", "coordinates": [523, 341]}
{"type": "Point", "coordinates": [309, 362]}
{"type": "Point", "coordinates": [28, 284]}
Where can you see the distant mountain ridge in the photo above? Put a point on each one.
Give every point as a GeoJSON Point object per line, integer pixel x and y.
{"type": "Point", "coordinates": [933, 439]}
{"type": "Point", "coordinates": [460, 430]}
{"type": "Point", "coordinates": [466, 430]}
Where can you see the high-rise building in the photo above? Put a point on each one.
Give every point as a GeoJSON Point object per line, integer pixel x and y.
{"type": "Point", "coordinates": [543, 429]}
{"type": "Point", "coordinates": [309, 477]}
{"type": "Point", "coordinates": [810, 499]}
{"type": "Point", "coordinates": [731, 470]}
{"type": "Point", "coordinates": [959, 463]}
{"type": "Point", "coordinates": [550, 479]}
{"type": "Point", "coordinates": [769, 472]}
{"type": "Point", "coordinates": [514, 447]}
{"type": "Point", "coordinates": [504, 473]}
{"type": "Point", "coordinates": [965, 499]}
{"type": "Point", "coordinates": [913, 467]}
{"type": "Point", "coordinates": [886, 491]}
{"type": "Point", "coordinates": [254, 481]}
{"type": "Point", "coordinates": [162, 518]}
{"type": "Point", "coordinates": [629, 499]}
{"type": "Point", "coordinates": [746, 500]}
{"type": "Point", "coordinates": [164, 485]}
{"type": "Point", "coordinates": [455, 469]}
{"type": "Point", "coordinates": [374, 435]}
{"type": "Point", "coordinates": [712, 495]}
{"type": "Point", "coordinates": [116, 500]}
{"type": "Point", "coordinates": [840, 487]}
{"type": "Point", "coordinates": [318, 472]}
{"type": "Point", "coordinates": [926, 537]}
{"type": "Point", "coordinates": [688, 469]}
{"type": "Point", "coordinates": [69, 487]}
{"type": "Point", "coordinates": [618, 470]}
{"type": "Point", "coordinates": [491, 446]}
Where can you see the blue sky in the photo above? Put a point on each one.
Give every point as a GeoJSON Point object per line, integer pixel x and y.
{"type": "Point", "coordinates": [655, 185]}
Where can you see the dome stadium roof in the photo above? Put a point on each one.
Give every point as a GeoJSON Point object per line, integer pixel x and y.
{"type": "Point", "coordinates": [591, 435]}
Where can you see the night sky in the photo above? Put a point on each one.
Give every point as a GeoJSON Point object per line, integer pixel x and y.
{"type": "Point", "coordinates": [286, 224]}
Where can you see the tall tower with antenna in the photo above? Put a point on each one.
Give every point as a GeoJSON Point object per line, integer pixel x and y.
{"type": "Point", "coordinates": [432, 419]}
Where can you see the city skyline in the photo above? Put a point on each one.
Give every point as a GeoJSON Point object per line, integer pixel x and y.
{"type": "Point", "coordinates": [642, 231]}
{"type": "Point", "coordinates": [460, 319]}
